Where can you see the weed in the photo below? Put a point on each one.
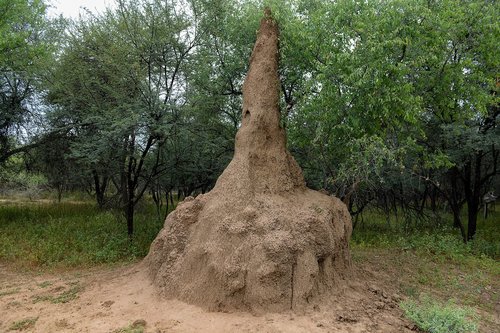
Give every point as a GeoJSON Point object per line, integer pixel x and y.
{"type": "Point", "coordinates": [68, 295]}
{"type": "Point", "coordinates": [9, 292]}
{"type": "Point", "coordinates": [435, 317]}
{"type": "Point", "coordinates": [22, 325]}
{"type": "Point", "coordinates": [45, 284]}
{"type": "Point", "coordinates": [64, 297]}
{"type": "Point", "coordinates": [409, 290]}
{"type": "Point", "coordinates": [13, 304]}
{"type": "Point", "coordinates": [137, 327]}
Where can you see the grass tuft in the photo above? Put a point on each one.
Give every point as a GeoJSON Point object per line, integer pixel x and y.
{"type": "Point", "coordinates": [22, 325]}
{"type": "Point", "coordinates": [64, 297]}
{"type": "Point", "coordinates": [45, 284]}
{"type": "Point", "coordinates": [137, 326]}
{"type": "Point", "coordinates": [434, 317]}
{"type": "Point", "coordinates": [9, 292]}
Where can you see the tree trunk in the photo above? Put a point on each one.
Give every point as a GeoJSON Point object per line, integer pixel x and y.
{"type": "Point", "coordinates": [100, 188]}
{"type": "Point", "coordinates": [457, 222]}
{"type": "Point", "coordinates": [472, 184]}
{"type": "Point", "coordinates": [130, 218]}
{"type": "Point", "coordinates": [166, 205]}
{"type": "Point", "coordinates": [433, 200]}
{"type": "Point", "coordinates": [129, 209]}
{"type": "Point", "coordinates": [456, 203]}
{"type": "Point", "coordinates": [472, 221]}
{"type": "Point", "coordinates": [157, 198]}
{"type": "Point", "coordinates": [424, 200]}
{"type": "Point", "coordinates": [60, 189]}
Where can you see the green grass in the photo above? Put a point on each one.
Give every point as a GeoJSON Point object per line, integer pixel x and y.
{"type": "Point", "coordinates": [435, 317]}
{"type": "Point", "coordinates": [137, 327]}
{"type": "Point", "coordinates": [63, 297]}
{"type": "Point", "coordinates": [9, 292]}
{"type": "Point", "coordinates": [22, 325]}
{"type": "Point", "coordinates": [45, 284]}
{"type": "Point", "coordinates": [434, 237]}
{"type": "Point", "coordinates": [71, 234]}
{"type": "Point", "coordinates": [431, 258]}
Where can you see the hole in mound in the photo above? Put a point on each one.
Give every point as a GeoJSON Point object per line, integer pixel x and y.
{"type": "Point", "coordinates": [247, 114]}
{"type": "Point", "coordinates": [321, 264]}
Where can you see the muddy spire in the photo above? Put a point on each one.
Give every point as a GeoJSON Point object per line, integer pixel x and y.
{"type": "Point", "coordinates": [260, 240]}
{"type": "Point", "coordinates": [262, 161]}
{"type": "Point", "coordinates": [261, 87]}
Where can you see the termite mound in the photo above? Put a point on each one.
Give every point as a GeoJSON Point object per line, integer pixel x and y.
{"type": "Point", "coordinates": [260, 240]}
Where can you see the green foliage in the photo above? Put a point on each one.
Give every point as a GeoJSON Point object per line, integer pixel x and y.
{"type": "Point", "coordinates": [447, 245]}
{"type": "Point", "coordinates": [70, 234]}
{"type": "Point", "coordinates": [16, 181]}
{"type": "Point", "coordinates": [25, 184]}
{"type": "Point", "coordinates": [434, 317]}
{"type": "Point", "coordinates": [19, 30]}
{"type": "Point", "coordinates": [434, 258]}
{"type": "Point", "coordinates": [428, 238]}
{"type": "Point", "coordinates": [27, 42]}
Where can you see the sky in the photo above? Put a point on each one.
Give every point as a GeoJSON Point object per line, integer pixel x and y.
{"type": "Point", "coordinates": [71, 8]}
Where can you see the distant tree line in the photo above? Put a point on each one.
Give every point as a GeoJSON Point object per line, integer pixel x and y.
{"type": "Point", "coordinates": [387, 104]}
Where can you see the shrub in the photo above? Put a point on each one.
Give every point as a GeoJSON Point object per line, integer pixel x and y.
{"type": "Point", "coordinates": [435, 317]}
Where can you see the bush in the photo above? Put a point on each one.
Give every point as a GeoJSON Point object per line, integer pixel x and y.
{"type": "Point", "coordinates": [435, 317]}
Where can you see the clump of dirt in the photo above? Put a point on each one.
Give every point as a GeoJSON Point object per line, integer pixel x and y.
{"type": "Point", "coordinates": [260, 240]}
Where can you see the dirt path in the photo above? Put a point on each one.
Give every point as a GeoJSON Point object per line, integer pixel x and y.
{"type": "Point", "coordinates": [112, 299]}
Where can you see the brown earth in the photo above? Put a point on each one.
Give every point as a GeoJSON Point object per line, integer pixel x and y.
{"type": "Point", "coordinates": [105, 300]}
{"type": "Point", "coordinates": [260, 240]}
{"type": "Point", "coordinates": [109, 299]}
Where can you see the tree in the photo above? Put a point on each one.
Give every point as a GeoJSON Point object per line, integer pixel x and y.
{"type": "Point", "coordinates": [379, 93]}
{"type": "Point", "coordinates": [462, 104]}
{"type": "Point", "coordinates": [375, 97]}
{"type": "Point", "coordinates": [122, 108]}
{"type": "Point", "coordinates": [27, 41]}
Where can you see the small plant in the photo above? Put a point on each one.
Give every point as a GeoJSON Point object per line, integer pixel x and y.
{"type": "Point", "coordinates": [9, 292]}
{"type": "Point", "coordinates": [45, 284]}
{"type": "Point", "coordinates": [64, 297]}
{"type": "Point", "coordinates": [434, 317]}
{"type": "Point", "coordinates": [68, 295]}
{"type": "Point", "coordinates": [137, 327]}
{"type": "Point", "coordinates": [22, 325]}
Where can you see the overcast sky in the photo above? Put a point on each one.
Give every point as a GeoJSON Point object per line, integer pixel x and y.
{"type": "Point", "coordinates": [71, 8]}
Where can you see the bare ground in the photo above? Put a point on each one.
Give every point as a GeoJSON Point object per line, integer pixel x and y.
{"type": "Point", "coordinates": [108, 299]}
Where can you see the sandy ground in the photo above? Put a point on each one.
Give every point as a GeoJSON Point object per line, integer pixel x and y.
{"type": "Point", "coordinates": [111, 299]}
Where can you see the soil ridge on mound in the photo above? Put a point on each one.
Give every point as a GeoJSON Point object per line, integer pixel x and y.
{"type": "Point", "coordinates": [260, 240]}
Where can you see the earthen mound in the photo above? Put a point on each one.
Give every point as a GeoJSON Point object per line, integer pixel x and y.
{"type": "Point", "coordinates": [260, 240]}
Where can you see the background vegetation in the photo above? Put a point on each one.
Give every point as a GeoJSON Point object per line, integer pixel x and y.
{"type": "Point", "coordinates": [390, 105]}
